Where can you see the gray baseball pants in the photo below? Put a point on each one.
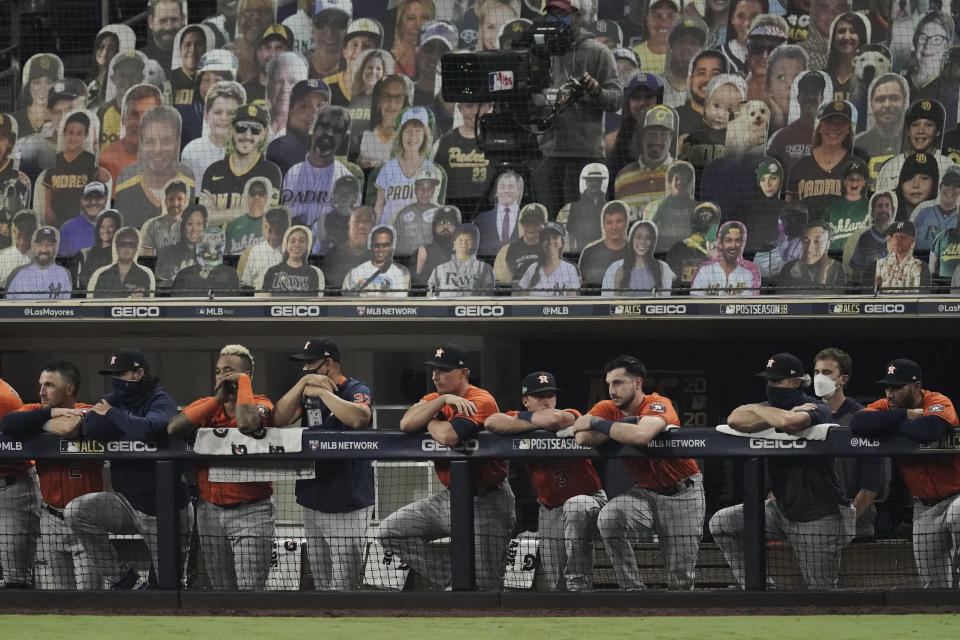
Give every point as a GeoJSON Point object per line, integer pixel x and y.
{"type": "Point", "coordinates": [678, 521]}
{"type": "Point", "coordinates": [566, 541]}
{"type": "Point", "coordinates": [407, 532]}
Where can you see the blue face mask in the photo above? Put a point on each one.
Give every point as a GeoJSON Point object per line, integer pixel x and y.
{"type": "Point", "coordinates": [127, 390]}
{"type": "Point", "coordinates": [567, 20]}
{"type": "Point", "coordinates": [784, 398]}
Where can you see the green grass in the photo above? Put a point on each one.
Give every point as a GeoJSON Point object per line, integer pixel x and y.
{"type": "Point", "coordinates": [873, 627]}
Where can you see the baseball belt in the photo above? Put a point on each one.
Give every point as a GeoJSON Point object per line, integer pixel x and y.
{"type": "Point", "coordinates": [56, 513]}
{"type": "Point", "coordinates": [675, 488]}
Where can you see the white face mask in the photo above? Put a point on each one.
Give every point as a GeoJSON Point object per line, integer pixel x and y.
{"type": "Point", "coordinates": [823, 386]}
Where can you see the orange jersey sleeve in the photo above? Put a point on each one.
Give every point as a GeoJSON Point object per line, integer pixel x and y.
{"type": "Point", "coordinates": [657, 406]}
{"type": "Point", "coordinates": [937, 404]}
{"type": "Point", "coordinates": [10, 401]}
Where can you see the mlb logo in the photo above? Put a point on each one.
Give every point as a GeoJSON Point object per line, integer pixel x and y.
{"type": "Point", "coordinates": [314, 445]}
{"type": "Point", "coordinates": [501, 81]}
{"type": "Point", "coordinates": [69, 447]}
{"type": "Point", "coordinates": [521, 444]}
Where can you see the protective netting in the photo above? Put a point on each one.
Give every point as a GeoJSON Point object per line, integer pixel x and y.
{"type": "Point", "coordinates": [641, 538]}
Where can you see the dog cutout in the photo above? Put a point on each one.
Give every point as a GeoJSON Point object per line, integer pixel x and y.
{"type": "Point", "coordinates": [747, 131]}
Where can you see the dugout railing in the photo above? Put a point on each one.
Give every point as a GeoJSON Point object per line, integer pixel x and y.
{"type": "Point", "coordinates": [699, 443]}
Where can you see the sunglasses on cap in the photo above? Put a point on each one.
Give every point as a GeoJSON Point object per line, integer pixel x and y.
{"type": "Point", "coordinates": [253, 127]}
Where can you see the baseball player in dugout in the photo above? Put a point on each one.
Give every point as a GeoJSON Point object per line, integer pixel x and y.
{"type": "Point", "coordinates": [338, 501]}
{"type": "Point", "coordinates": [568, 489]}
{"type": "Point", "coordinates": [19, 509]}
{"type": "Point", "coordinates": [668, 493]}
{"type": "Point", "coordinates": [865, 479]}
{"type": "Point", "coordinates": [58, 412]}
{"type": "Point", "coordinates": [234, 519]}
{"type": "Point", "coordinates": [910, 411]}
{"type": "Point", "coordinates": [808, 506]}
{"type": "Point", "coordinates": [454, 413]}
{"type": "Point", "coordinates": [137, 411]}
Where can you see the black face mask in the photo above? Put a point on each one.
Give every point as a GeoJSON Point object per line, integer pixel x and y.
{"type": "Point", "coordinates": [308, 372]}
{"type": "Point", "coordinates": [127, 391]}
{"type": "Point", "coordinates": [784, 398]}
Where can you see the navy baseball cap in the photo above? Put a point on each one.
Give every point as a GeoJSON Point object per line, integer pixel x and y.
{"type": "Point", "coordinates": [537, 382]}
{"type": "Point", "coordinates": [644, 81]}
{"type": "Point", "coordinates": [901, 371]}
{"type": "Point", "coordinates": [125, 360]}
{"type": "Point", "coordinates": [305, 88]}
{"type": "Point", "coordinates": [903, 226]}
{"type": "Point", "coordinates": [46, 234]}
{"type": "Point", "coordinates": [318, 349]}
{"type": "Point", "coordinates": [449, 356]}
{"type": "Point", "coordinates": [94, 189]}
{"type": "Point", "coordinates": [781, 366]}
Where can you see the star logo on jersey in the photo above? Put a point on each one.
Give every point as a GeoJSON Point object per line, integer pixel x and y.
{"type": "Point", "coordinates": [935, 408]}
{"type": "Point", "coordinates": [658, 407]}
{"type": "Point", "coordinates": [543, 379]}
{"type": "Point", "coordinates": [891, 369]}
{"type": "Point", "coordinates": [439, 353]}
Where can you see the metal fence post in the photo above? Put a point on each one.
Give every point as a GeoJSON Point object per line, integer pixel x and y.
{"type": "Point", "coordinates": [754, 536]}
{"type": "Point", "coordinates": [463, 569]}
{"type": "Point", "coordinates": [168, 526]}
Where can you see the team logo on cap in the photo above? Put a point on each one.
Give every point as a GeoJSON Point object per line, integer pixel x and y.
{"type": "Point", "coordinates": [438, 354]}
{"type": "Point", "coordinates": [926, 105]}
{"type": "Point", "coordinates": [661, 114]}
{"type": "Point", "coordinates": [772, 168]}
{"type": "Point", "coordinates": [252, 110]}
{"type": "Point", "coordinates": [770, 363]}
{"type": "Point", "coordinates": [306, 346]}
{"type": "Point", "coordinates": [113, 361]}
{"type": "Point", "coordinates": [922, 158]}
{"type": "Point", "coordinates": [838, 106]}
{"type": "Point", "coordinates": [891, 369]}
{"type": "Point", "coordinates": [44, 62]}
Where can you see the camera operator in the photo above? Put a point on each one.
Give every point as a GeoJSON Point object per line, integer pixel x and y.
{"type": "Point", "coordinates": [586, 77]}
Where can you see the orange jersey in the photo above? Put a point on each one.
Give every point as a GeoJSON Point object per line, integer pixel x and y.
{"type": "Point", "coordinates": [63, 480]}
{"type": "Point", "coordinates": [929, 477]}
{"type": "Point", "coordinates": [556, 481]}
{"type": "Point", "coordinates": [10, 401]}
{"type": "Point", "coordinates": [485, 472]}
{"type": "Point", "coordinates": [651, 473]}
{"type": "Point", "coordinates": [230, 493]}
